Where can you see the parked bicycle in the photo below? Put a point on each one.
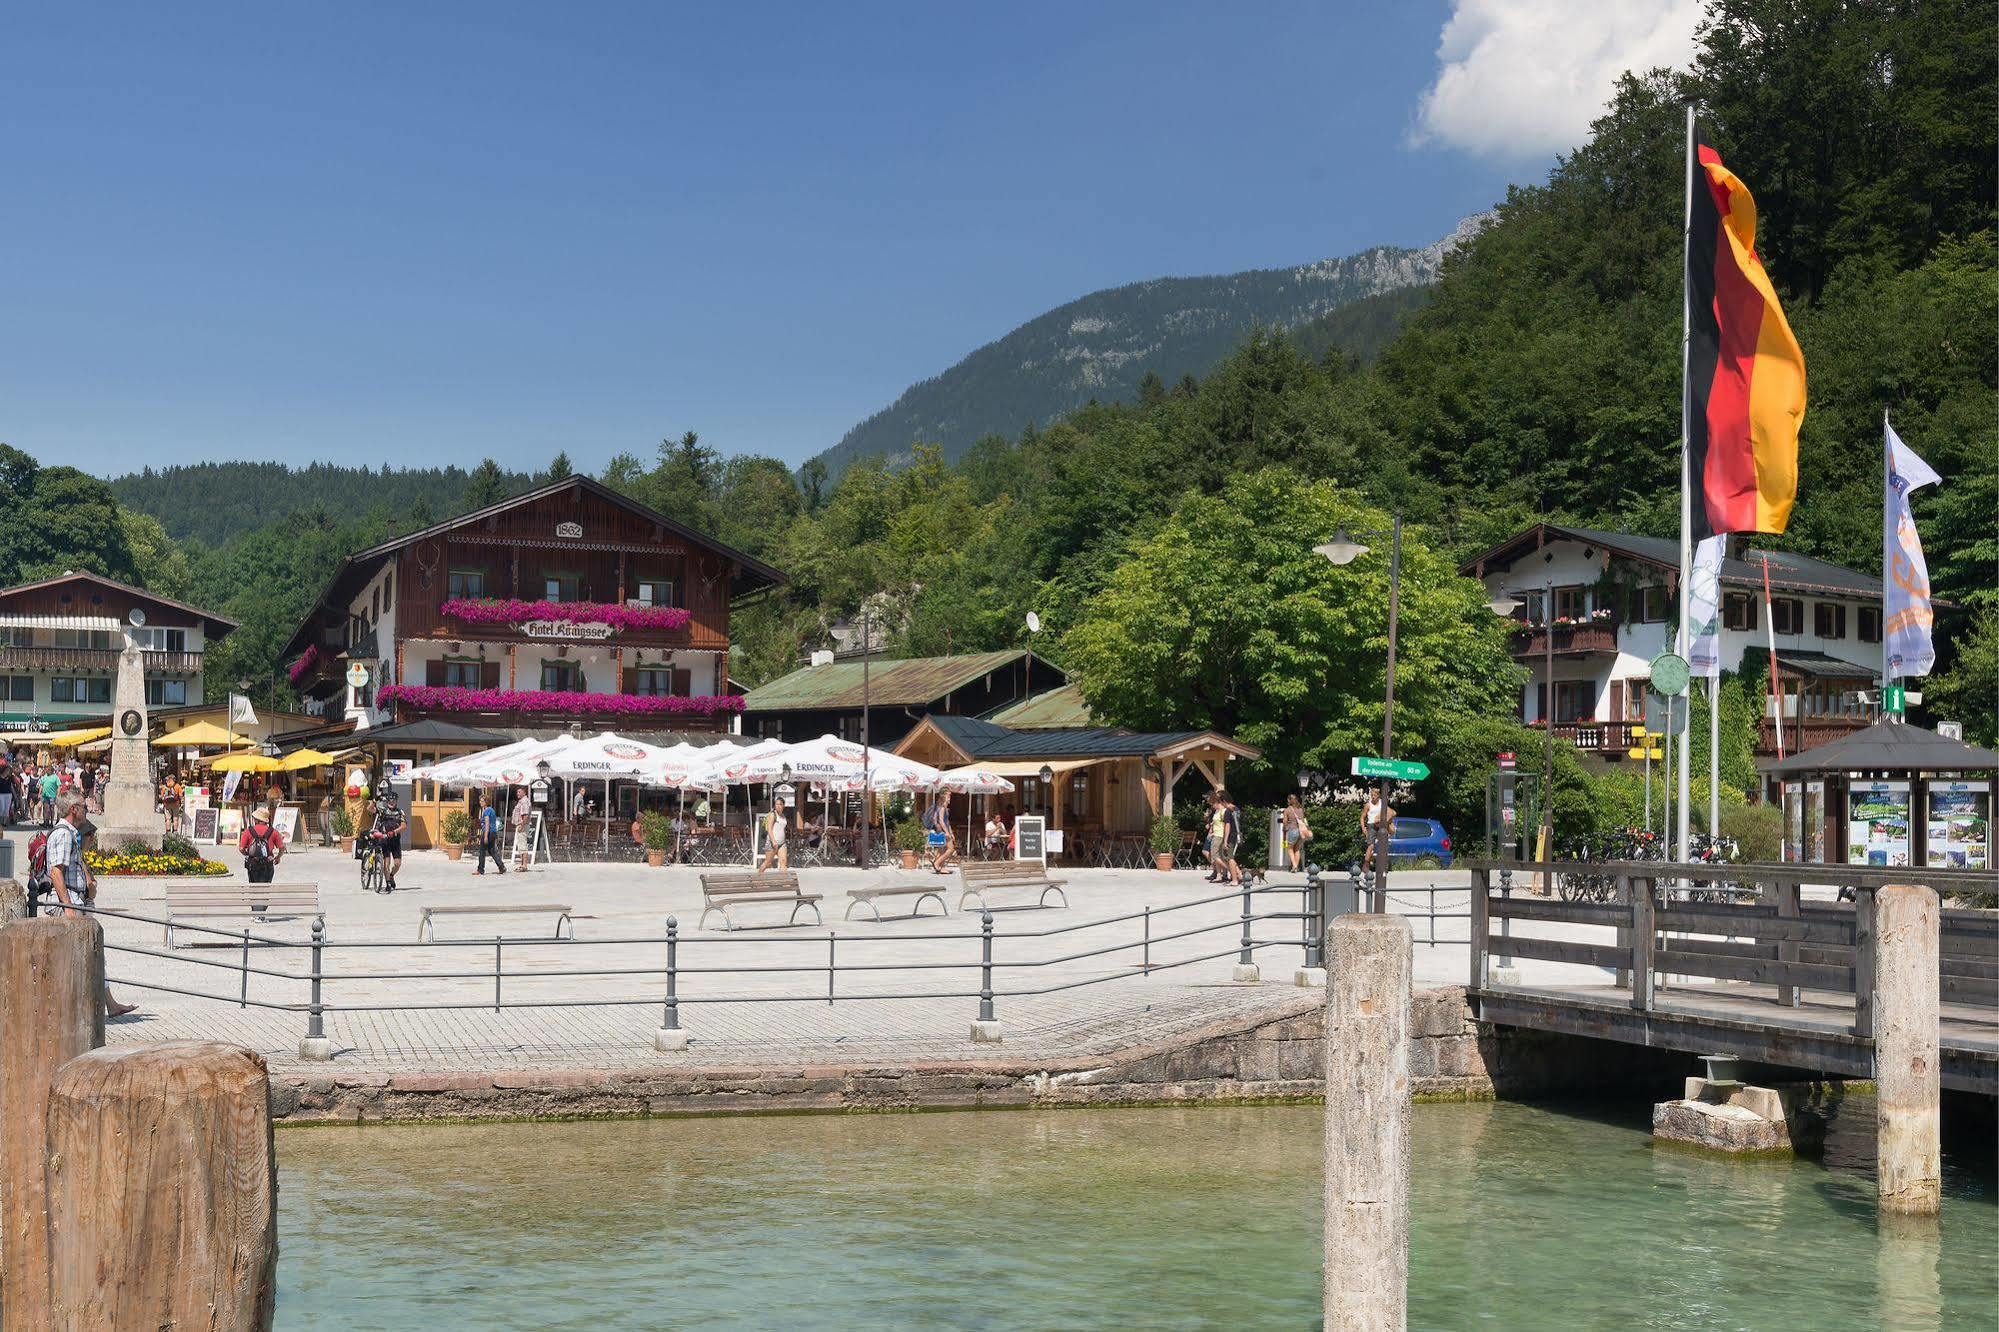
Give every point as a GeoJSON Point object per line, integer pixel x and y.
{"type": "Point", "coordinates": [373, 878]}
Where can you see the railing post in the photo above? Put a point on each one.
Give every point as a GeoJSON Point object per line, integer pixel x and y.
{"type": "Point", "coordinates": [986, 1030]}
{"type": "Point", "coordinates": [831, 937]}
{"type": "Point", "coordinates": [243, 996]}
{"type": "Point", "coordinates": [1787, 949]}
{"type": "Point", "coordinates": [1640, 891]}
{"type": "Point", "coordinates": [1481, 887]}
{"type": "Point", "coordinates": [1245, 958]}
{"type": "Point", "coordinates": [1309, 922]}
{"type": "Point", "coordinates": [316, 1045]}
{"type": "Point", "coordinates": [1864, 959]}
{"type": "Point", "coordinates": [496, 973]}
{"type": "Point", "coordinates": [670, 1037]}
{"type": "Point", "coordinates": [1145, 954]}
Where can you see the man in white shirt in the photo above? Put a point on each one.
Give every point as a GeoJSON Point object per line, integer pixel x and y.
{"type": "Point", "coordinates": [75, 886]}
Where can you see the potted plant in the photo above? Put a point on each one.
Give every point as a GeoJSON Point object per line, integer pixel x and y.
{"type": "Point", "coordinates": [343, 828]}
{"type": "Point", "coordinates": [910, 839]}
{"type": "Point", "coordinates": [1164, 839]}
{"type": "Point", "coordinates": [456, 830]}
{"type": "Point", "coordinates": [656, 830]}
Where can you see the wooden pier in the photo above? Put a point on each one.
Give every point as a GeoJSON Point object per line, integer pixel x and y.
{"type": "Point", "coordinates": [1757, 961]}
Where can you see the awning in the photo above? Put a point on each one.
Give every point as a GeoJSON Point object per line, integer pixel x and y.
{"type": "Point", "coordinates": [64, 739]}
{"type": "Point", "coordinates": [1033, 767]}
{"type": "Point", "coordinates": [200, 735]}
{"type": "Point", "coordinates": [100, 622]}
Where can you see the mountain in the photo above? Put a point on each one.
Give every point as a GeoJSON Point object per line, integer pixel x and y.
{"type": "Point", "coordinates": [1103, 345]}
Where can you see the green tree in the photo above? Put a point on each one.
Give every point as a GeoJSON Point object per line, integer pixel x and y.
{"type": "Point", "coordinates": [486, 485]}
{"type": "Point", "coordinates": [560, 468]}
{"type": "Point", "coordinates": [812, 480]}
{"type": "Point", "coordinates": [1969, 691]}
{"type": "Point", "coordinates": [159, 565]}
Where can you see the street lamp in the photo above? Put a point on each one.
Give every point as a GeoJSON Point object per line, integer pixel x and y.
{"type": "Point", "coordinates": [1344, 549]}
{"type": "Point", "coordinates": [1504, 603]}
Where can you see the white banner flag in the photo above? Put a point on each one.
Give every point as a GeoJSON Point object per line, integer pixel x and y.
{"type": "Point", "coordinates": [1905, 581]}
{"type": "Point", "coordinates": [240, 711]}
{"type": "Point", "coordinates": [1704, 607]}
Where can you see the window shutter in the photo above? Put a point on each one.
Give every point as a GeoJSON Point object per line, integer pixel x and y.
{"type": "Point", "coordinates": [1617, 700]}
{"type": "Point", "coordinates": [1541, 702]}
{"type": "Point", "coordinates": [433, 672]}
{"type": "Point", "coordinates": [489, 674]}
{"type": "Point", "coordinates": [682, 681]}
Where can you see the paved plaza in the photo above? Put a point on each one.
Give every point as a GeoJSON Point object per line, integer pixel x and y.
{"type": "Point", "coordinates": [438, 1014]}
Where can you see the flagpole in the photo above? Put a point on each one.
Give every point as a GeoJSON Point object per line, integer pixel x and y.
{"type": "Point", "coordinates": [1714, 755]}
{"type": "Point", "coordinates": [1686, 438]}
{"type": "Point", "coordinates": [1887, 488]}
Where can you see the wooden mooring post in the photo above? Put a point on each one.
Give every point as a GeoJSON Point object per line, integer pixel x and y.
{"type": "Point", "coordinates": [1907, 1054]}
{"type": "Point", "coordinates": [51, 992]}
{"type": "Point", "coordinates": [1367, 1123]}
{"type": "Point", "coordinates": [162, 1190]}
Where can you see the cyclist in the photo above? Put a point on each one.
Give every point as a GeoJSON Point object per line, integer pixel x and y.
{"type": "Point", "coordinates": [387, 834]}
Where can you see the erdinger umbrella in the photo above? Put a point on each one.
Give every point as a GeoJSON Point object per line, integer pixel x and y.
{"type": "Point", "coordinates": [602, 757]}
{"type": "Point", "coordinates": [969, 781]}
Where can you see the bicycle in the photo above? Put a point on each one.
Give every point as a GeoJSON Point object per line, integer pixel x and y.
{"type": "Point", "coordinates": [373, 880]}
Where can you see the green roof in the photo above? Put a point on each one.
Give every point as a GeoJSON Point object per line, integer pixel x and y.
{"type": "Point", "coordinates": [908, 682]}
{"type": "Point", "coordinates": [1063, 706]}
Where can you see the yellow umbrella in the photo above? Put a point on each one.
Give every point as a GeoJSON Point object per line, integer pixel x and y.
{"type": "Point", "coordinates": [246, 763]}
{"type": "Point", "coordinates": [64, 739]}
{"type": "Point", "coordinates": [304, 758]}
{"type": "Point", "coordinates": [199, 735]}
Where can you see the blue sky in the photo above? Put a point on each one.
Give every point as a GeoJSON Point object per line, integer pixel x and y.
{"type": "Point", "coordinates": [431, 233]}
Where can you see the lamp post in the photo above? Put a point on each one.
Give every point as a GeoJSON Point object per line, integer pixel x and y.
{"type": "Point", "coordinates": [867, 786]}
{"type": "Point", "coordinates": [1504, 603]}
{"type": "Point", "coordinates": [1343, 549]}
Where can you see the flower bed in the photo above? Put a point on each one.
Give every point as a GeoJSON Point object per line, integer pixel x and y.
{"type": "Point", "coordinates": [581, 612]}
{"type": "Point", "coordinates": [308, 659]}
{"type": "Point", "coordinates": [144, 863]}
{"type": "Point", "coordinates": [453, 698]}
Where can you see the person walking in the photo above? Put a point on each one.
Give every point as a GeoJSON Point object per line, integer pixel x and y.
{"type": "Point", "coordinates": [941, 831]}
{"type": "Point", "coordinates": [522, 811]}
{"type": "Point", "coordinates": [489, 835]}
{"type": "Point", "coordinates": [774, 849]}
{"type": "Point", "coordinates": [1296, 832]}
{"type": "Point", "coordinates": [69, 873]}
{"type": "Point", "coordinates": [49, 786]}
{"type": "Point", "coordinates": [1217, 821]}
{"type": "Point", "coordinates": [1230, 838]}
{"type": "Point", "coordinates": [387, 831]}
{"type": "Point", "coordinates": [262, 846]}
{"type": "Point", "coordinates": [1376, 815]}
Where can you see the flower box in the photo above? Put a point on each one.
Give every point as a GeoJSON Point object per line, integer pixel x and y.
{"type": "Point", "coordinates": [308, 659]}
{"type": "Point", "coordinates": [453, 698]}
{"type": "Point", "coordinates": [511, 611]}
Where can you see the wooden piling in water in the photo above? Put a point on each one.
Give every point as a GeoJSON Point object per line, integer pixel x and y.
{"type": "Point", "coordinates": [1367, 1123]}
{"type": "Point", "coordinates": [162, 1190]}
{"type": "Point", "coordinates": [1907, 1058]}
{"type": "Point", "coordinates": [51, 992]}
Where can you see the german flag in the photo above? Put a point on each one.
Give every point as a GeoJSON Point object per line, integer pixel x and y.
{"type": "Point", "coordinates": [1745, 372]}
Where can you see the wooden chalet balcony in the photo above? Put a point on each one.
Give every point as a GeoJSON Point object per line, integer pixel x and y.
{"type": "Point", "coordinates": [93, 659]}
{"type": "Point", "coordinates": [1574, 639]}
{"type": "Point", "coordinates": [1802, 733]}
{"type": "Point", "coordinates": [1596, 736]}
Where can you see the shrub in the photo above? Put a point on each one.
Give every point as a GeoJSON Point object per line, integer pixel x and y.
{"type": "Point", "coordinates": [656, 829]}
{"type": "Point", "coordinates": [1758, 831]}
{"type": "Point", "coordinates": [173, 844]}
{"type": "Point", "coordinates": [1164, 835]}
{"type": "Point", "coordinates": [456, 827]}
{"type": "Point", "coordinates": [909, 835]}
{"type": "Point", "coordinates": [343, 822]}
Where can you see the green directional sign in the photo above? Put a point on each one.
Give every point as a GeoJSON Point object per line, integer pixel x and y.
{"type": "Point", "coordinates": [1401, 770]}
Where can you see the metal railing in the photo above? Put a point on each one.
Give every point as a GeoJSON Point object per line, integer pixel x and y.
{"type": "Point", "coordinates": [1136, 932]}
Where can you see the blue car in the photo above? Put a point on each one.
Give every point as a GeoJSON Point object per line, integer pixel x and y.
{"type": "Point", "coordinates": [1419, 842]}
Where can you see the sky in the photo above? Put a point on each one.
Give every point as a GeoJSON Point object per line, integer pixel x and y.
{"type": "Point", "coordinates": [425, 234]}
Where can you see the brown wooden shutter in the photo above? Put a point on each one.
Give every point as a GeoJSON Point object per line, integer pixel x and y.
{"type": "Point", "coordinates": [489, 674]}
{"type": "Point", "coordinates": [1541, 702]}
{"type": "Point", "coordinates": [1617, 700]}
{"type": "Point", "coordinates": [683, 681]}
{"type": "Point", "coordinates": [433, 672]}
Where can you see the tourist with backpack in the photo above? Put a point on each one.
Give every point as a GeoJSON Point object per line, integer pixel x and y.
{"type": "Point", "coordinates": [262, 847]}
{"type": "Point", "coordinates": [69, 874]}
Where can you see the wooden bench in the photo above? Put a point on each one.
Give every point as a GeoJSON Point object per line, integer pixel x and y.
{"type": "Point", "coordinates": [979, 877]}
{"type": "Point", "coordinates": [260, 902]}
{"type": "Point", "coordinates": [719, 892]}
{"type": "Point", "coordinates": [867, 897]}
{"type": "Point", "coordinates": [426, 933]}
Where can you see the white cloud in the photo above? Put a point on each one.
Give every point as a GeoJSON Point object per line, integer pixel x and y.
{"type": "Point", "coordinates": [1524, 78]}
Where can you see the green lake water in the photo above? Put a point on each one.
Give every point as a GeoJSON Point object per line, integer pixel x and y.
{"type": "Point", "coordinates": [1524, 1217]}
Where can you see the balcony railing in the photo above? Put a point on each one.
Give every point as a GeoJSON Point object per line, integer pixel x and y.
{"type": "Point", "coordinates": [1597, 736]}
{"type": "Point", "coordinates": [93, 659]}
{"type": "Point", "coordinates": [1802, 733]}
{"type": "Point", "coordinates": [1595, 636]}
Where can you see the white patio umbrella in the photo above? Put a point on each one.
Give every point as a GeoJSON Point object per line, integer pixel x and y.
{"type": "Point", "coordinates": [603, 757]}
{"type": "Point", "coordinates": [969, 781]}
{"type": "Point", "coordinates": [453, 771]}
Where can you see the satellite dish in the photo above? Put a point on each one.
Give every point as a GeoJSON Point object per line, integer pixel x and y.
{"type": "Point", "coordinates": [136, 616]}
{"type": "Point", "coordinates": [1033, 623]}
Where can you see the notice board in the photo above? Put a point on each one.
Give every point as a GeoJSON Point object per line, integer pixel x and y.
{"type": "Point", "coordinates": [205, 825]}
{"type": "Point", "coordinates": [1030, 841]}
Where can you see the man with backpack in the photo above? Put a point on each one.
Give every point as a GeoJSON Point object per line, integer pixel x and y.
{"type": "Point", "coordinates": [262, 846]}
{"type": "Point", "coordinates": [387, 831]}
{"type": "Point", "coordinates": [69, 875]}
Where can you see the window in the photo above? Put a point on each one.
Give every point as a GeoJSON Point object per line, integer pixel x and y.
{"type": "Point", "coordinates": [1652, 604]}
{"type": "Point", "coordinates": [1870, 624]}
{"type": "Point", "coordinates": [20, 688]}
{"type": "Point", "coordinates": [1534, 611]}
{"type": "Point", "coordinates": [17, 637]}
{"type": "Point", "coordinates": [389, 590]}
{"type": "Point", "coordinates": [561, 587]}
{"type": "Point", "coordinates": [166, 693]}
{"type": "Point", "coordinates": [1569, 603]}
{"type": "Point", "coordinates": [77, 689]}
{"type": "Point", "coordinates": [1738, 610]}
{"type": "Point", "coordinates": [1829, 620]}
{"type": "Point", "coordinates": [1787, 615]}
{"type": "Point", "coordinates": [656, 592]}
{"type": "Point", "coordinates": [562, 677]}
{"type": "Point", "coordinates": [660, 681]}
{"type": "Point", "coordinates": [463, 674]}
{"type": "Point", "coordinates": [1575, 700]}
{"type": "Point", "coordinates": [155, 639]}
{"type": "Point", "coordinates": [84, 638]}
{"type": "Point", "coordinates": [375, 604]}
{"type": "Point", "coordinates": [468, 583]}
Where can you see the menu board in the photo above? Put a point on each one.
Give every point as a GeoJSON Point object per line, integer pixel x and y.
{"type": "Point", "coordinates": [286, 822]}
{"type": "Point", "coordinates": [204, 825]}
{"type": "Point", "coordinates": [1960, 826]}
{"type": "Point", "coordinates": [1028, 832]}
{"type": "Point", "coordinates": [1877, 824]}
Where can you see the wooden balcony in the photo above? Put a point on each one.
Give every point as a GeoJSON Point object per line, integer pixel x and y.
{"type": "Point", "coordinates": [1570, 639]}
{"type": "Point", "coordinates": [1802, 733]}
{"type": "Point", "coordinates": [1596, 736]}
{"type": "Point", "coordinates": [94, 659]}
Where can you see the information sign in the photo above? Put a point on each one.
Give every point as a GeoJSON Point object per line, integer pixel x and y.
{"type": "Point", "coordinates": [1401, 770]}
{"type": "Point", "coordinates": [1028, 838]}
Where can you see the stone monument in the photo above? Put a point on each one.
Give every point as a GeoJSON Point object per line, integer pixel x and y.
{"type": "Point", "coordinates": [129, 815]}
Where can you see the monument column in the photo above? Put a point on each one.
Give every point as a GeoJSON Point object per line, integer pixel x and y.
{"type": "Point", "coordinates": [128, 797]}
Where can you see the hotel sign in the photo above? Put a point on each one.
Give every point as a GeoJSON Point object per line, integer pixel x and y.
{"type": "Point", "coordinates": [582, 629]}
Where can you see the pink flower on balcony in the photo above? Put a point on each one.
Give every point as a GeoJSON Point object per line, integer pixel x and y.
{"type": "Point", "coordinates": [512, 611]}
{"type": "Point", "coordinates": [453, 698]}
{"type": "Point", "coordinates": [308, 659]}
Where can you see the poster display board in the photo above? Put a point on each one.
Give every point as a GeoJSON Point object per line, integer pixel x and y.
{"type": "Point", "coordinates": [528, 842]}
{"type": "Point", "coordinates": [1877, 824]}
{"type": "Point", "coordinates": [1960, 826]}
{"type": "Point", "coordinates": [285, 820]}
{"type": "Point", "coordinates": [229, 825]}
{"type": "Point", "coordinates": [205, 825]}
{"type": "Point", "coordinates": [1030, 838]}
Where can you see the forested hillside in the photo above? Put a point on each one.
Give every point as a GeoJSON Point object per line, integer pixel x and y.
{"type": "Point", "coordinates": [215, 501]}
{"type": "Point", "coordinates": [1165, 540]}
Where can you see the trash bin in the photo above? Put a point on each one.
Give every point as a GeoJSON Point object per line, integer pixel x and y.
{"type": "Point", "coordinates": [6, 858]}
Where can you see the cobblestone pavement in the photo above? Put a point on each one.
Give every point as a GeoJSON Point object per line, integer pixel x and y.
{"type": "Point", "coordinates": [441, 1015]}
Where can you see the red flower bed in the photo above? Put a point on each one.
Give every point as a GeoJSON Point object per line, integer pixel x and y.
{"type": "Point", "coordinates": [451, 698]}
{"type": "Point", "coordinates": [520, 612]}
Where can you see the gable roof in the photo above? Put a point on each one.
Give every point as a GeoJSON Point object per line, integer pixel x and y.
{"type": "Point", "coordinates": [1062, 706]}
{"type": "Point", "coordinates": [355, 570]}
{"type": "Point", "coordinates": [1789, 571]}
{"type": "Point", "coordinates": [1888, 746]}
{"type": "Point", "coordinates": [903, 682]}
{"type": "Point", "coordinates": [979, 740]}
{"type": "Point", "coordinates": [215, 626]}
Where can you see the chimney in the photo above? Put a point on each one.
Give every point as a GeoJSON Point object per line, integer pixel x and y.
{"type": "Point", "coordinates": [823, 657]}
